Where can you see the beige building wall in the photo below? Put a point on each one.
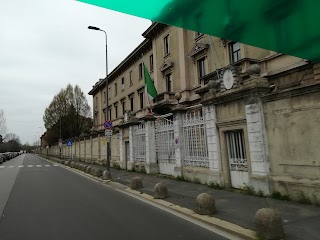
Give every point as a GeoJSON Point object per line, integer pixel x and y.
{"type": "Point", "coordinates": [291, 120]}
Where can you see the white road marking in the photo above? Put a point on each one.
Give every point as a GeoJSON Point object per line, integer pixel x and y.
{"type": "Point", "coordinates": [38, 165]}
{"type": "Point", "coordinates": [21, 166]}
{"type": "Point", "coordinates": [47, 165]}
{"type": "Point", "coordinates": [11, 166]}
{"type": "Point", "coordinates": [2, 166]}
{"type": "Point", "coordinates": [55, 165]}
{"type": "Point", "coordinates": [30, 165]}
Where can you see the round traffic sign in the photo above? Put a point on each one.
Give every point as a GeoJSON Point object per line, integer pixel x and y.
{"type": "Point", "coordinates": [107, 125]}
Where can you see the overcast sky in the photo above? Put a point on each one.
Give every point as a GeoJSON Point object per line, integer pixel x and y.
{"type": "Point", "coordinates": [45, 44]}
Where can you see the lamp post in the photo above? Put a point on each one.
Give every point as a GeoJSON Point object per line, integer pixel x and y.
{"type": "Point", "coordinates": [40, 139]}
{"type": "Point", "coordinates": [107, 100]}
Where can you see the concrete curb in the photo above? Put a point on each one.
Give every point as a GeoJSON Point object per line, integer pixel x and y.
{"type": "Point", "coordinates": [224, 225]}
{"type": "Point", "coordinates": [216, 222]}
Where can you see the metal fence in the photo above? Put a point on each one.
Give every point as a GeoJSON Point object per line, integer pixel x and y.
{"type": "Point", "coordinates": [195, 140]}
{"type": "Point", "coordinates": [140, 143]}
{"type": "Point", "coordinates": [165, 145]}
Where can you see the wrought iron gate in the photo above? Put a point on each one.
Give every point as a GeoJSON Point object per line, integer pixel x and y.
{"type": "Point", "coordinates": [140, 143]}
{"type": "Point", "coordinates": [165, 146]}
{"type": "Point", "coordinates": [237, 158]}
{"type": "Point", "coordinates": [195, 140]}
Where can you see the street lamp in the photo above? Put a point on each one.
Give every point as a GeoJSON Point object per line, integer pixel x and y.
{"type": "Point", "coordinates": [107, 100]}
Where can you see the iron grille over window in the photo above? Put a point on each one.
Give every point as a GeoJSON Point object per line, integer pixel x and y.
{"type": "Point", "coordinates": [236, 151]}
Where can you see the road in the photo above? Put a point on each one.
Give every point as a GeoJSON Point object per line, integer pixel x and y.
{"type": "Point", "coordinates": [42, 200]}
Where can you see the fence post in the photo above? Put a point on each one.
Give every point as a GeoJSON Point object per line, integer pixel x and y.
{"type": "Point", "coordinates": [99, 148]}
{"type": "Point", "coordinates": [178, 113]}
{"type": "Point", "coordinates": [151, 160]}
{"type": "Point", "coordinates": [212, 137]}
{"type": "Point", "coordinates": [121, 149]}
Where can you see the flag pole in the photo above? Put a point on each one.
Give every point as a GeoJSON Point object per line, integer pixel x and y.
{"type": "Point", "coordinates": [146, 89]}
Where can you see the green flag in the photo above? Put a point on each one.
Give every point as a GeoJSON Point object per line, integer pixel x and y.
{"type": "Point", "coordinates": [151, 89]}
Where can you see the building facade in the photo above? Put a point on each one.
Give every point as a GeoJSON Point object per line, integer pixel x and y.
{"type": "Point", "coordinates": [226, 113]}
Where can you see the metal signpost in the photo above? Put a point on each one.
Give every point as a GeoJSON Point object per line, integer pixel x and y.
{"type": "Point", "coordinates": [69, 144]}
{"type": "Point", "coordinates": [108, 130]}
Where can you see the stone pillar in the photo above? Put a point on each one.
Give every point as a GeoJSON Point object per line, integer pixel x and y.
{"type": "Point", "coordinates": [178, 139]}
{"type": "Point", "coordinates": [212, 138]}
{"type": "Point", "coordinates": [99, 148]}
{"type": "Point", "coordinates": [151, 158]}
{"type": "Point", "coordinates": [257, 145]}
{"type": "Point", "coordinates": [131, 146]}
{"type": "Point", "coordinates": [122, 157]}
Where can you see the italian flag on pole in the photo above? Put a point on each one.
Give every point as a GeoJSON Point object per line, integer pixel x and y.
{"type": "Point", "coordinates": [151, 89]}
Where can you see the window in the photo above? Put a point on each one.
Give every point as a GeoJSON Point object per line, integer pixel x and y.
{"type": "Point", "coordinates": [166, 45]}
{"type": "Point", "coordinates": [234, 48]}
{"type": "Point", "coordinates": [104, 96]}
{"type": "Point", "coordinates": [96, 102]}
{"type": "Point", "coordinates": [110, 111]}
{"type": "Point", "coordinates": [123, 107]}
{"type": "Point", "coordinates": [236, 149]}
{"type": "Point", "coordinates": [140, 71]}
{"type": "Point", "coordinates": [130, 78]}
{"type": "Point", "coordinates": [105, 115]}
{"type": "Point", "coordinates": [109, 92]}
{"type": "Point", "coordinates": [131, 103]}
{"type": "Point", "coordinates": [115, 89]}
{"type": "Point", "coordinates": [122, 83]}
{"type": "Point", "coordinates": [141, 100]}
{"type": "Point", "coordinates": [201, 68]}
{"type": "Point", "coordinates": [151, 62]}
{"type": "Point", "coordinates": [116, 110]}
{"type": "Point", "coordinates": [169, 82]}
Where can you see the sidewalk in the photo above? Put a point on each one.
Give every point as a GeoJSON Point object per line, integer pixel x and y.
{"type": "Point", "coordinates": [300, 221]}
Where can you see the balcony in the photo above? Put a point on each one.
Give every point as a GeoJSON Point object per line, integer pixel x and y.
{"type": "Point", "coordinates": [164, 102]}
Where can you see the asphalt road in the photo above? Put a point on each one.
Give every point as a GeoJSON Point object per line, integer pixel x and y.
{"type": "Point", "coordinates": [43, 201]}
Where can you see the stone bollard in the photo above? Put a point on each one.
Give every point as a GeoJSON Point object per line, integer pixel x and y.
{"type": "Point", "coordinates": [67, 163]}
{"type": "Point", "coordinates": [72, 164]}
{"type": "Point", "coordinates": [106, 175]}
{"type": "Point", "coordinates": [160, 190]}
{"type": "Point", "coordinates": [136, 183]}
{"type": "Point", "coordinates": [84, 167]}
{"type": "Point", "coordinates": [268, 224]}
{"type": "Point", "coordinates": [205, 204]}
{"type": "Point", "coordinates": [88, 169]}
{"type": "Point", "coordinates": [98, 172]}
{"type": "Point", "coordinates": [92, 171]}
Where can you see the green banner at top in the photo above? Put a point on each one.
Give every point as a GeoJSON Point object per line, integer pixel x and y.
{"type": "Point", "coordinates": [286, 26]}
